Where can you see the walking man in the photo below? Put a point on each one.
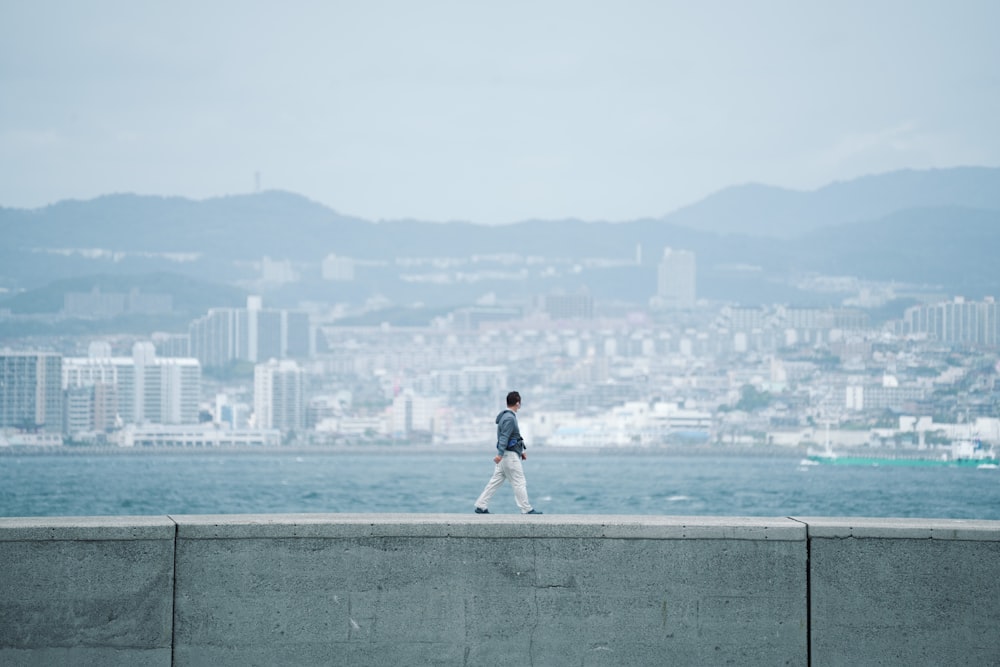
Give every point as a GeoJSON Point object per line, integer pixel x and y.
{"type": "Point", "coordinates": [510, 453]}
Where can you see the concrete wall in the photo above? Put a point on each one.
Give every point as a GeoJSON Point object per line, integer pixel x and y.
{"type": "Point", "coordinates": [904, 592]}
{"type": "Point", "coordinates": [498, 589]}
{"type": "Point", "coordinates": [86, 591]}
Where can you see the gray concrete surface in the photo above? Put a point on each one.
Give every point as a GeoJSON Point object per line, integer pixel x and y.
{"type": "Point", "coordinates": [485, 590]}
{"type": "Point", "coordinates": [489, 590]}
{"type": "Point", "coordinates": [904, 591]}
{"type": "Point", "coordinates": [86, 591]}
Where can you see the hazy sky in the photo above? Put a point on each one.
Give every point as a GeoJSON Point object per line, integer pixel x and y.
{"type": "Point", "coordinates": [488, 111]}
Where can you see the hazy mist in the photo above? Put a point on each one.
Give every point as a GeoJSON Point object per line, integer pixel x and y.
{"type": "Point", "coordinates": [487, 112]}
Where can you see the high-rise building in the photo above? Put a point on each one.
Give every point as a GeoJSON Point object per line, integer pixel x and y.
{"type": "Point", "coordinates": [167, 390]}
{"type": "Point", "coordinates": [675, 286]}
{"type": "Point", "coordinates": [220, 337]}
{"type": "Point", "coordinates": [956, 321]}
{"type": "Point", "coordinates": [252, 334]}
{"type": "Point", "coordinates": [139, 389]}
{"type": "Point", "coordinates": [112, 377]}
{"type": "Point", "coordinates": [172, 345]}
{"type": "Point", "coordinates": [279, 395]}
{"type": "Point", "coordinates": [31, 391]}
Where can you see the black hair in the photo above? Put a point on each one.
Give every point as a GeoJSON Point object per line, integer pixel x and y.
{"type": "Point", "coordinates": [513, 398]}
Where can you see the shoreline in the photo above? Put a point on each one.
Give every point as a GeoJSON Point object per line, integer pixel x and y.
{"type": "Point", "coordinates": [546, 451]}
{"type": "Point", "coordinates": [388, 450]}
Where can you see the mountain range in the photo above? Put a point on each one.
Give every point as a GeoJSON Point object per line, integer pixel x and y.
{"type": "Point", "coordinates": [937, 228]}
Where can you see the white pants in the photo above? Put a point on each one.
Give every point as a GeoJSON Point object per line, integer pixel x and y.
{"type": "Point", "coordinates": [509, 468]}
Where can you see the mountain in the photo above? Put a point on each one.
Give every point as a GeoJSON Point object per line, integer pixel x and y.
{"type": "Point", "coordinates": [759, 210]}
{"type": "Point", "coordinates": [937, 227]}
{"type": "Point", "coordinates": [950, 246]}
{"type": "Point", "coordinates": [229, 227]}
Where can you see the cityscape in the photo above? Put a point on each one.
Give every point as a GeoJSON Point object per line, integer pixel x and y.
{"type": "Point", "coordinates": [676, 372]}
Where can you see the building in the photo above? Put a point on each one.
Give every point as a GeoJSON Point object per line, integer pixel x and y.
{"type": "Point", "coordinates": [31, 395]}
{"type": "Point", "coordinates": [195, 435]}
{"type": "Point", "coordinates": [338, 269]}
{"type": "Point", "coordinates": [98, 304]}
{"type": "Point", "coordinates": [143, 388]}
{"type": "Point", "coordinates": [465, 381]}
{"type": "Point", "coordinates": [172, 345]}
{"type": "Point", "coordinates": [279, 395]}
{"type": "Point", "coordinates": [569, 306]}
{"type": "Point", "coordinates": [113, 378]}
{"type": "Point", "coordinates": [471, 318]}
{"type": "Point", "coordinates": [885, 396]}
{"type": "Point", "coordinates": [957, 321]}
{"type": "Point", "coordinates": [412, 414]}
{"type": "Point", "coordinates": [251, 334]}
{"type": "Point", "coordinates": [167, 390]}
{"type": "Point", "coordinates": [675, 287]}
{"type": "Point", "coordinates": [220, 337]}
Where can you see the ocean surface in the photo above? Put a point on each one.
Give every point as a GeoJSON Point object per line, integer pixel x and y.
{"type": "Point", "coordinates": [559, 482]}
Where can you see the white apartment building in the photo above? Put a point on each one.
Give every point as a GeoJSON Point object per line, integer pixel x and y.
{"type": "Point", "coordinates": [195, 435]}
{"type": "Point", "coordinates": [956, 321]}
{"type": "Point", "coordinates": [279, 395]}
{"type": "Point", "coordinates": [139, 389]}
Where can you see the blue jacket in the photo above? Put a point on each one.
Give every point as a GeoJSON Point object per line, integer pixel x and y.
{"type": "Point", "coordinates": [508, 434]}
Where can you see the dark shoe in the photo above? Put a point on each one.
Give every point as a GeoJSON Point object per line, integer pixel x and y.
{"type": "Point", "coordinates": [480, 510]}
{"type": "Point", "coordinates": [534, 512]}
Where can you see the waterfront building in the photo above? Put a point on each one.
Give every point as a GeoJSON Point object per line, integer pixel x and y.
{"type": "Point", "coordinates": [195, 435]}
{"type": "Point", "coordinates": [884, 396]}
{"type": "Point", "coordinates": [31, 391]}
{"type": "Point", "coordinates": [279, 395]}
{"type": "Point", "coordinates": [130, 390]}
{"type": "Point", "coordinates": [167, 390]}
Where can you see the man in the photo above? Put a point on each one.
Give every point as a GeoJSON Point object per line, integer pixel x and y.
{"type": "Point", "coordinates": [510, 453]}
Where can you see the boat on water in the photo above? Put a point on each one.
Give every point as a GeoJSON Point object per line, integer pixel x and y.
{"type": "Point", "coordinates": [962, 453]}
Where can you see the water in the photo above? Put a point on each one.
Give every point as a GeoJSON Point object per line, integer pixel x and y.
{"type": "Point", "coordinates": [559, 482]}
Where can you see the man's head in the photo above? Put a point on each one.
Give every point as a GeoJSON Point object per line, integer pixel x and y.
{"type": "Point", "coordinates": [513, 398]}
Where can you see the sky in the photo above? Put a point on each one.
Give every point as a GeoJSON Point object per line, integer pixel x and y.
{"type": "Point", "coordinates": [488, 112]}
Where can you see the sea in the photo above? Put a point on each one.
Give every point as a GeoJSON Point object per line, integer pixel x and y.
{"type": "Point", "coordinates": [560, 481]}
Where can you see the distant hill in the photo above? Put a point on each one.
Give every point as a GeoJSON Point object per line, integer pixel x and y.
{"type": "Point", "coordinates": [759, 210]}
{"type": "Point", "coordinates": [935, 226]}
{"type": "Point", "coordinates": [229, 227]}
{"type": "Point", "coordinates": [951, 246]}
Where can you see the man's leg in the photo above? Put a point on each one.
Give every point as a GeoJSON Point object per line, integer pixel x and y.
{"type": "Point", "coordinates": [483, 502]}
{"type": "Point", "coordinates": [515, 472]}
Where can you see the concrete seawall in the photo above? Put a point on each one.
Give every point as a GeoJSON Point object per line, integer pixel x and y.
{"type": "Point", "coordinates": [416, 589]}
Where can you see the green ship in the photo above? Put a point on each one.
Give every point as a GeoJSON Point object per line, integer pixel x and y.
{"type": "Point", "coordinates": [962, 454]}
